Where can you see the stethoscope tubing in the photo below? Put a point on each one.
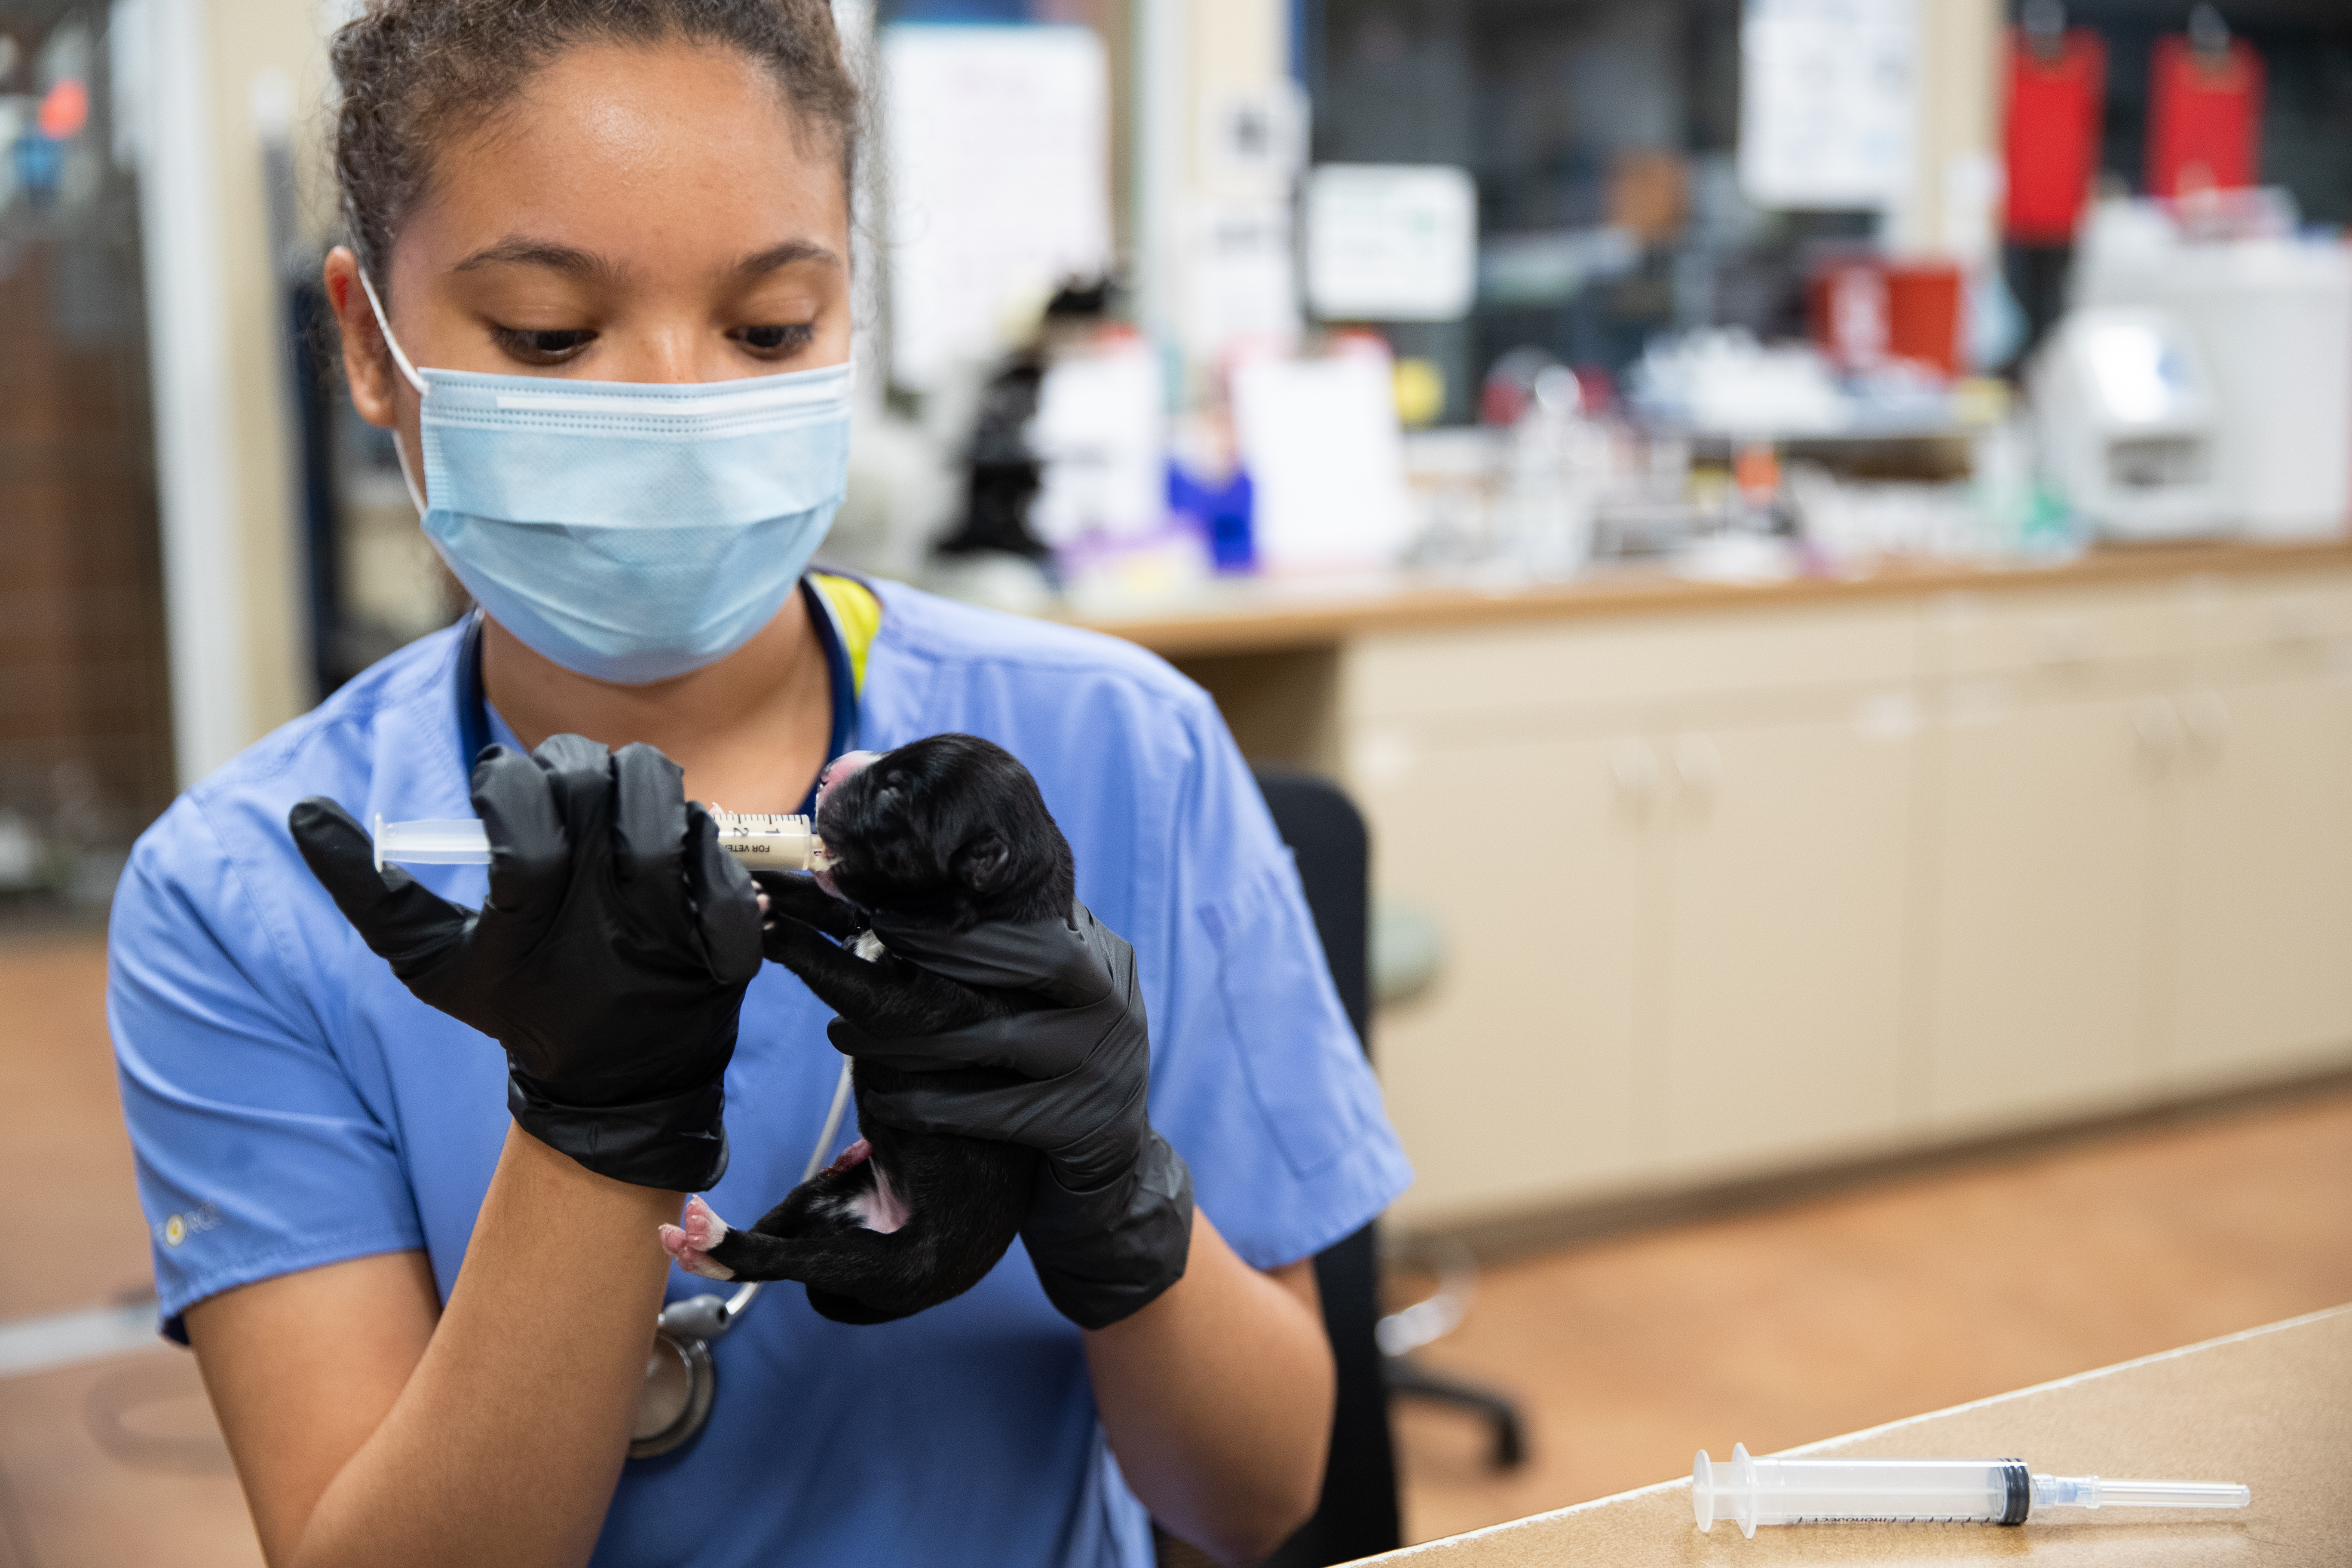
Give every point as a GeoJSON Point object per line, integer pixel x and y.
{"type": "Point", "coordinates": [690, 1326]}
{"type": "Point", "coordinates": [746, 1293]}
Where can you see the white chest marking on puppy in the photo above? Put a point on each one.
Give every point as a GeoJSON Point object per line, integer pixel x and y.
{"type": "Point", "coordinates": [880, 1210]}
{"type": "Point", "coordinates": [867, 946]}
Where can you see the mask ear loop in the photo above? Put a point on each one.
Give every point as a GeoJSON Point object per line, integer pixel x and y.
{"type": "Point", "coordinates": [385, 326]}
{"type": "Point", "coordinates": [416, 491]}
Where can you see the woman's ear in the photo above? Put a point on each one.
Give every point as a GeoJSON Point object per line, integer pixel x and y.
{"type": "Point", "coordinates": [367, 360]}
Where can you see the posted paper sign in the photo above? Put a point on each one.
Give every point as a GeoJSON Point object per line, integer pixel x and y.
{"type": "Point", "coordinates": [1241, 276]}
{"type": "Point", "coordinates": [1828, 94]}
{"type": "Point", "coordinates": [1391, 242]}
{"type": "Point", "coordinates": [1326, 462]}
{"type": "Point", "coordinates": [1098, 431]}
{"type": "Point", "coordinates": [997, 180]}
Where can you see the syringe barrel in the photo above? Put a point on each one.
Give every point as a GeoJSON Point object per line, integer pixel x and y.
{"type": "Point", "coordinates": [442, 841]}
{"type": "Point", "coordinates": [778, 843]}
{"type": "Point", "coordinates": [1751, 1491]}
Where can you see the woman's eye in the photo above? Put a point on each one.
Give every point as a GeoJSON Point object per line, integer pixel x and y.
{"type": "Point", "coordinates": [776, 340]}
{"type": "Point", "coordinates": [544, 347]}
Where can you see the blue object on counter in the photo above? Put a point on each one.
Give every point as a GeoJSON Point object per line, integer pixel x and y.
{"type": "Point", "coordinates": [1223, 512]}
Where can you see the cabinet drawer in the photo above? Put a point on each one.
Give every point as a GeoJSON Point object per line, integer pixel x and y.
{"type": "Point", "coordinates": [1559, 665]}
{"type": "Point", "coordinates": [2056, 632]}
{"type": "Point", "coordinates": [2290, 620]}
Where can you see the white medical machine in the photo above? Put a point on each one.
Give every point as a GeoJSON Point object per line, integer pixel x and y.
{"type": "Point", "coordinates": [2269, 311]}
{"type": "Point", "coordinates": [2128, 426]}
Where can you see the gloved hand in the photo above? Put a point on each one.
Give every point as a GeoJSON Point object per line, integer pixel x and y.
{"type": "Point", "coordinates": [610, 961]}
{"type": "Point", "coordinates": [1111, 1222]}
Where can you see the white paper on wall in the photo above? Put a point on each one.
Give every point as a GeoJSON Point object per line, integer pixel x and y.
{"type": "Point", "coordinates": [1254, 140]}
{"type": "Point", "coordinates": [1326, 461]}
{"type": "Point", "coordinates": [997, 183]}
{"type": "Point", "coordinates": [1100, 432]}
{"type": "Point", "coordinates": [1828, 102]}
{"type": "Point", "coordinates": [1390, 242]}
{"type": "Point", "coordinates": [1241, 275]}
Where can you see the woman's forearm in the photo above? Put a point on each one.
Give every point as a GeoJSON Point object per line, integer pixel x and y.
{"type": "Point", "coordinates": [508, 1441]}
{"type": "Point", "coordinates": [1217, 1400]}
{"type": "Point", "coordinates": [504, 1443]}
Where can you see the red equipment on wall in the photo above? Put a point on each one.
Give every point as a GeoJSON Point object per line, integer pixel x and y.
{"type": "Point", "coordinates": [2057, 89]}
{"type": "Point", "coordinates": [2205, 117]}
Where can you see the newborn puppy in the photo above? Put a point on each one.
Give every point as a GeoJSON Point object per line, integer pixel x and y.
{"type": "Point", "coordinates": [945, 833]}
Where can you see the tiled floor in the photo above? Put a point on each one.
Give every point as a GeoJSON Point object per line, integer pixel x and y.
{"type": "Point", "coordinates": [115, 1462]}
{"type": "Point", "coordinates": [1770, 1327]}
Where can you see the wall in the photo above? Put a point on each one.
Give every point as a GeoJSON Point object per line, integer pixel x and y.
{"type": "Point", "coordinates": [1959, 129]}
{"type": "Point", "coordinates": [224, 461]}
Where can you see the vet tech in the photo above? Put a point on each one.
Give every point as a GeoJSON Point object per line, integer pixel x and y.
{"type": "Point", "coordinates": [424, 1306]}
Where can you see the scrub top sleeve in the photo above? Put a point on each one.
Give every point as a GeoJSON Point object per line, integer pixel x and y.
{"type": "Point", "coordinates": [1258, 1079]}
{"type": "Point", "coordinates": [256, 1154]}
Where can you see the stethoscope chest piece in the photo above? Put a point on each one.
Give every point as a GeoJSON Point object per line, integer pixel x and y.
{"type": "Point", "coordinates": [681, 1381]}
{"type": "Point", "coordinates": [681, 1378]}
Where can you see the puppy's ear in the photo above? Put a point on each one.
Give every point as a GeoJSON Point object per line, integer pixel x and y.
{"type": "Point", "coordinates": [979, 862]}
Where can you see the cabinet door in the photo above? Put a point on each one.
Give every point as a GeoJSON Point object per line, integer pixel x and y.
{"type": "Point", "coordinates": [1511, 1081]}
{"type": "Point", "coordinates": [1787, 851]}
{"type": "Point", "coordinates": [2041, 999]}
{"type": "Point", "coordinates": [2262, 958]}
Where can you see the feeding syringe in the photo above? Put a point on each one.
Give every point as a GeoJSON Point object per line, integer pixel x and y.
{"type": "Point", "coordinates": [777, 842]}
{"type": "Point", "coordinates": [1751, 1492]}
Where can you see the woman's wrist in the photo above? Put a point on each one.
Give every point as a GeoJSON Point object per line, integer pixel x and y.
{"type": "Point", "coordinates": [1103, 1255]}
{"type": "Point", "coordinates": [544, 1165]}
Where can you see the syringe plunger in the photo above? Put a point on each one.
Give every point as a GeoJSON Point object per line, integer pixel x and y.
{"type": "Point", "coordinates": [1751, 1492]}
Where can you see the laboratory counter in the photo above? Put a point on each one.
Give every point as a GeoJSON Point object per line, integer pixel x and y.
{"type": "Point", "coordinates": [1819, 870]}
{"type": "Point", "coordinates": [1251, 614]}
{"type": "Point", "coordinates": [2270, 1408]}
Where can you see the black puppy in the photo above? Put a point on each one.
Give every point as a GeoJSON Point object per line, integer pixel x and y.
{"type": "Point", "coordinates": [942, 833]}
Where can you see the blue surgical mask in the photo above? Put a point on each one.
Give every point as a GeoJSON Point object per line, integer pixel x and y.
{"type": "Point", "coordinates": [628, 530]}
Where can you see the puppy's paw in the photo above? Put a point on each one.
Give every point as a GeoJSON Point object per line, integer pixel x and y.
{"type": "Point", "coordinates": [690, 1241]}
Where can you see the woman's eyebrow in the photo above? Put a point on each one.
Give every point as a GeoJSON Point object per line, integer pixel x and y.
{"type": "Point", "coordinates": [785, 255]}
{"type": "Point", "coordinates": [519, 250]}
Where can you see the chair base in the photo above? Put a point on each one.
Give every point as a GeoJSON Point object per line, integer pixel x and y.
{"type": "Point", "coordinates": [1408, 1377]}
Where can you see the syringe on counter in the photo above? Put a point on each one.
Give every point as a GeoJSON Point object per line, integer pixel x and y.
{"type": "Point", "coordinates": [1751, 1491]}
{"type": "Point", "coordinates": [782, 843]}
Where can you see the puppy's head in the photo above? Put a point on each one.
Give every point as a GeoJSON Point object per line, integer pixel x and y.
{"type": "Point", "coordinates": [949, 831]}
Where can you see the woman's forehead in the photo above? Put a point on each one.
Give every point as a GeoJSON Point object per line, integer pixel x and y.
{"type": "Point", "coordinates": [642, 158]}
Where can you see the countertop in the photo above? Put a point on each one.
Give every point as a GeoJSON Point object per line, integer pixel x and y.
{"type": "Point", "coordinates": [1248, 615]}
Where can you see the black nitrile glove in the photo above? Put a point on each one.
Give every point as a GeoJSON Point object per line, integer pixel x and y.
{"type": "Point", "coordinates": [1111, 1222]}
{"type": "Point", "coordinates": [610, 959]}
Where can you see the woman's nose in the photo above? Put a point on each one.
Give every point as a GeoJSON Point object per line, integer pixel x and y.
{"type": "Point", "coordinates": [671, 355]}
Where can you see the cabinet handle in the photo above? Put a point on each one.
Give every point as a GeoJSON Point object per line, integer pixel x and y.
{"type": "Point", "coordinates": [2298, 622]}
{"type": "Point", "coordinates": [2157, 724]}
{"type": "Point", "coordinates": [2206, 714]}
{"type": "Point", "coordinates": [1635, 766]}
{"type": "Point", "coordinates": [1699, 762]}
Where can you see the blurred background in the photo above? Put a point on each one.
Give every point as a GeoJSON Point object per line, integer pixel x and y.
{"type": "Point", "coordinates": [1814, 532]}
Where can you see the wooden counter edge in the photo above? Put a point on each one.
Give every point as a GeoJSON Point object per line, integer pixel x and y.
{"type": "Point", "coordinates": [1448, 1545]}
{"type": "Point", "coordinates": [1241, 627]}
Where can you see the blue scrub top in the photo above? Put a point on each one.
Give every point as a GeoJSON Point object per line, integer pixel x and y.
{"type": "Point", "coordinates": [292, 1105]}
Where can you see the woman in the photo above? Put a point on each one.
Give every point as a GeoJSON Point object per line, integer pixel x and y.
{"type": "Point", "coordinates": [421, 1297]}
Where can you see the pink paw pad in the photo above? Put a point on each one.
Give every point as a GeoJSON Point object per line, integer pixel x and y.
{"type": "Point", "coordinates": [690, 1241]}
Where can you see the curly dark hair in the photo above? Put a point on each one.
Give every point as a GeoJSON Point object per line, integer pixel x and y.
{"type": "Point", "coordinates": [414, 73]}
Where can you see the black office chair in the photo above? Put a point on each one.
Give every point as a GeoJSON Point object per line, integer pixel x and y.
{"type": "Point", "coordinates": [1358, 1515]}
